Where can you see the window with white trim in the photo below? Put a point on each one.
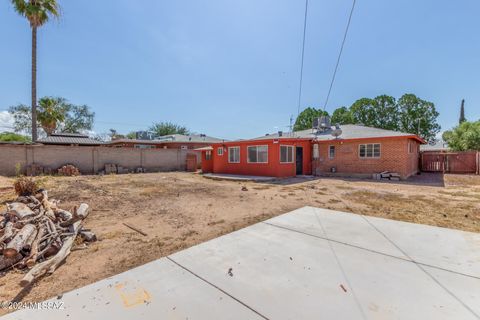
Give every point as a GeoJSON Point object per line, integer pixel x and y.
{"type": "Point", "coordinates": [220, 151]}
{"type": "Point", "coordinates": [234, 154]}
{"type": "Point", "coordinates": [331, 152]}
{"type": "Point", "coordinates": [257, 154]}
{"type": "Point", "coordinates": [286, 154]}
{"type": "Point", "coordinates": [370, 150]}
{"type": "Point", "coordinates": [208, 155]}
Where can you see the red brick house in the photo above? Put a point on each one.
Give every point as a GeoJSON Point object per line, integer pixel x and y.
{"type": "Point", "coordinates": [355, 150]}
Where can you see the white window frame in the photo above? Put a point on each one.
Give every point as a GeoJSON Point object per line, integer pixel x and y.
{"type": "Point", "coordinates": [208, 155]}
{"type": "Point", "coordinates": [256, 146]}
{"type": "Point", "coordinates": [220, 151]}
{"type": "Point", "coordinates": [229, 152]}
{"type": "Point", "coordinates": [288, 147]}
{"type": "Point", "coordinates": [373, 151]}
{"type": "Point", "coordinates": [334, 151]}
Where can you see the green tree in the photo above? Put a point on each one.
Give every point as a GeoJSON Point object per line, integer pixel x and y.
{"type": "Point", "coordinates": [342, 115]}
{"type": "Point", "coordinates": [53, 114]}
{"type": "Point", "coordinates": [305, 118]}
{"type": "Point", "coordinates": [464, 137]}
{"type": "Point", "coordinates": [166, 128]}
{"type": "Point", "coordinates": [37, 12]}
{"type": "Point", "coordinates": [418, 116]}
{"type": "Point", "coordinates": [131, 135]}
{"type": "Point", "coordinates": [462, 112]}
{"type": "Point", "coordinates": [380, 112]}
{"type": "Point", "coordinates": [114, 135]}
{"type": "Point", "coordinates": [13, 137]}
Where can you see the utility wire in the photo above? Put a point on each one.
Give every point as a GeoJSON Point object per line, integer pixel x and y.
{"type": "Point", "coordinates": [303, 54]}
{"type": "Point", "coordinates": [339, 55]}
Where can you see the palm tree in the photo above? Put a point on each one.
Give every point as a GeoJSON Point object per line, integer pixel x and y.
{"type": "Point", "coordinates": [51, 111]}
{"type": "Point", "coordinates": [37, 13]}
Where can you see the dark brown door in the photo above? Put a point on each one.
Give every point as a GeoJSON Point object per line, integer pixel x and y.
{"type": "Point", "coordinates": [299, 160]}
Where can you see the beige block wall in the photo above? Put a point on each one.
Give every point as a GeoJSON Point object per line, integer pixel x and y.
{"type": "Point", "coordinates": [89, 159]}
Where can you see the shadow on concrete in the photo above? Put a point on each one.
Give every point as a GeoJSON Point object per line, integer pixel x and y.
{"type": "Point", "coordinates": [423, 179]}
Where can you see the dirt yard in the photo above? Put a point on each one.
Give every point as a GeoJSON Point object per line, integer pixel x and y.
{"type": "Point", "coordinates": [179, 210]}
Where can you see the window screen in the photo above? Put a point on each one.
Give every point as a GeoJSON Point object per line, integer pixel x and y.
{"type": "Point", "coordinates": [258, 154]}
{"type": "Point", "coordinates": [331, 152]}
{"type": "Point", "coordinates": [234, 154]}
{"type": "Point", "coordinates": [371, 150]}
{"type": "Point", "coordinates": [286, 154]}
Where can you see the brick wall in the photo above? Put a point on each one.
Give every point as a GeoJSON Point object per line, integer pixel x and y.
{"type": "Point", "coordinates": [395, 156]}
{"type": "Point", "coordinates": [89, 159]}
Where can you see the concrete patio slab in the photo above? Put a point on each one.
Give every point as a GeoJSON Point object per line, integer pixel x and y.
{"type": "Point", "coordinates": [287, 275]}
{"type": "Point", "coordinates": [449, 249]}
{"type": "Point", "coordinates": [157, 290]}
{"type": "Point", "coordinates": [236, 177]}
{"type": "Point", "coordinates": [308, 264]}
{"type": "Point", "coordinates": [338, 226]}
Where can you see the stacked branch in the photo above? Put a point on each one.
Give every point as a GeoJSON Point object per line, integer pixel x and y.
{"type": "Point", "coordinates": [36, 234]}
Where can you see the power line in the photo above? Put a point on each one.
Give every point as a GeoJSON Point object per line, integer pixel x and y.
{"type": "Point", "coordinates": [339, 55]}
{"type": "Point", "coordinates": [303, 54]}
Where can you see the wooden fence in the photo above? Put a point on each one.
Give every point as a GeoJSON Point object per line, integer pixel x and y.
{"type": "Point", "coordinates": [451, 162]}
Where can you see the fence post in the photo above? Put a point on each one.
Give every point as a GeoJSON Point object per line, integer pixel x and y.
{"type": "Point", "coordinates": [478, 162]}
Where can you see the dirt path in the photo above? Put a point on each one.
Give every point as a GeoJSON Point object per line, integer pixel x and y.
{"type": "Point", "coordinates": [178, 210]}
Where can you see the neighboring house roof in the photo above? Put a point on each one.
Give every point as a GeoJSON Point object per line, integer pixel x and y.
{"type": "Point", "coordinates": [439, 145]}
{"type": "Point", "coordinates": [68, 139]}
{"type": "Point", "coordinates": [349, 131]}
{"type": "Point", "coordinates": [173, 138]}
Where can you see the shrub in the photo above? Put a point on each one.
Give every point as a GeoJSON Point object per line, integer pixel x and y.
{"type": "Point", "coordinates": [25, 186]}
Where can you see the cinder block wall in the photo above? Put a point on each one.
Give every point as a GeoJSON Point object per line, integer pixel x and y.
{"type": "Point", "coordinates": [89, 160]}
{"type": "Point", "coordinates": [394, 157]}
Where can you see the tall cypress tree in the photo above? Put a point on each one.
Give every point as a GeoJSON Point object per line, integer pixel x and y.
{"type": "Point", "coordinates": [462, 112]}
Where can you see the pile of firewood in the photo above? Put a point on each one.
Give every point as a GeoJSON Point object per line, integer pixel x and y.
{"type": "Point", "coordinates": [68, 170]}
{"type": "Point", "coordinates": [36, 234]}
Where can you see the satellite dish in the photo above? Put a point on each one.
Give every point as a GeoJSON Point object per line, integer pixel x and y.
{"type": "Point", "coordinates": [337, 131]}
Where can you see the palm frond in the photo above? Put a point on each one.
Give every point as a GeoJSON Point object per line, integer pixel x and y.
{"type": "Point", "coordinates": [38, 12]}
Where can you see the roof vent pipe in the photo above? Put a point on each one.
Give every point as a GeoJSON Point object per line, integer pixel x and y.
{"type": "Point", "coordinates": [280, 133]}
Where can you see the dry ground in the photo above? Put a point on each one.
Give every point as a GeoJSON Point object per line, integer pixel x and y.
{"type": "Point", "coordinates": [178, 210]}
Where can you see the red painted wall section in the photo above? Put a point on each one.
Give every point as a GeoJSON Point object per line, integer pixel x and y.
{"type": "Point", "coordinates": [272, 168]}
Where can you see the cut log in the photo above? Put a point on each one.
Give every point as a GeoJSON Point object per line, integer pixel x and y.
{"type": "Point", "coordinates": [88, 236]}
{"type": "Point", "coordinates": [64, 215]}
{"type": "Point", "coordinates": [47, 206]}
{"type": "Point", "coordinates": [20, 210]}
{"type": "Point", "coordinates": [8, 262]}
{"type": "Point", "coordinates": [79, 214]}
{"type": "Point", "coordinates": [32, 259]}
{"type": "Point", "coordinates": [50, 265]}
{"type": "Point", "coordinates": [27, 247]}
{"type": "Point", "coordinates": [7, 233]}
{"type": "Point", "coordinates": [19, 241]}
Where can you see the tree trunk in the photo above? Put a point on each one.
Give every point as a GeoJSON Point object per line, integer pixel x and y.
{"type": "Point", "coordinates": [7, 233]}
{"type": "Point", "coordinates": [8, 262]}
{"type": "Point", "coordinates": [19, 241]}
{"type": "Point", "coordinates": [34, 84]}
{"type": "Point", "coordinates": [20, 210]}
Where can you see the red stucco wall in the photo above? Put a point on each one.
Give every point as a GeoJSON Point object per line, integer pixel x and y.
{"type": "Point", "coordinates": [273, 168]}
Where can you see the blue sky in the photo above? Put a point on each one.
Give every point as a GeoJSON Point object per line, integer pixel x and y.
{"type": "Point", "coordinates": [231, 68]}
